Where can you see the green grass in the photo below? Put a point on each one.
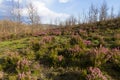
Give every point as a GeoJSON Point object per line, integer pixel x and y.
{"type": "Point", "coordinates": [14, 44]}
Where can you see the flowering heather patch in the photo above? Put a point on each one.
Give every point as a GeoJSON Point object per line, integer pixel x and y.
{"type": "Point", "coordinates": [75, 49]}
{"type": "Point", "coordinates": [99, 56]}
{"type": "Point", "coordinates": [56, 32]}
{"type": "Point", "coordinates": [116, 49]}
{"type": "Point", "coordinates": [100, 50]}
{"type": "Point", "coordinates": [61, 53]}
{"type": "Point", "coordinates": [9, 61]}
{"type": "Point", "coordinates": [87, 42]}
{"type": "Point", "coordinates": [82, 31]}
{"type": "Point", "coordinates": [75, 39]}
{"type": "Point", "coordinates": [41, 33]}
{"type": "Point", "coordinates": [25, 76]}
{"type": "Point", "coordinates": [116, 52]}
{"type": "Point", "coordinates": [23, 65]}
{"type": "Point", "coordinates": [95, 74]}
{"type": "Point", "coordinates": [12, 54]}
{"type": "Point", "coordinates": [47, 39]}
{"type": "Point", "coordinates": [21, 76]}
{"type": "Point", "coordinates": [35, 44]}
{"type": "Point", "coordinates": [116, 56]}
{"type": "Point", "coordinates": [23, 62]}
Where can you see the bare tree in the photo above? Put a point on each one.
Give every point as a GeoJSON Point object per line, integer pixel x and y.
{"type": "Point", "coordinates": [112, 13]}
{"type": "Point", "coordinates": [61, 23]}
{"type": "Point", "coordinates": [103, 11]}
{"type": "Point", "coordinates": [33, 15]}
{"type": "Point", "coordinates": [79, 19]}
{"type": "Point", "coordinates": [57, 20]}
{"type": "Point", "coordinates": [93, 13]}
{"type": "Point", "coordinates": [16, 11]}
{"type": "Point", "coordinates": [71, 21]}
{"type": "Point", "coordinates": [118, 15]}
{"type": "Point", "coordinates": [51, 21]}
{"type": "Point", "coordinates": [84, 17]}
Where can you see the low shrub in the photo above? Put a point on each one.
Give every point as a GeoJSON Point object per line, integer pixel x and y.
{"type": "Point", "coordinates": [116, 58]}
{"type": "Point", "coordinates": [74, 56]}
{"type": "Point", "coordinates": [99, 56]}
{"type": "Point", "coordinates": [9, 62]}
{"type": "Point", "coordinates": [77, 40]}
{"type": "Point", "coordinates": [23, 65]}
{"type": "Point", "coordinates": [35, 44]}
{"type": "Point", "coordinates": [95, 74]}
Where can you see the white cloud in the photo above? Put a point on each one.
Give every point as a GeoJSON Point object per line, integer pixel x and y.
{"type": "Point", "coordinates": [16, 0]}
{"type": "Point", "coordinates": [1, 1]}
{"type": "Point", "coordinates": [64, 1]}
{"type": "Point", "coordinates": [45, 12]}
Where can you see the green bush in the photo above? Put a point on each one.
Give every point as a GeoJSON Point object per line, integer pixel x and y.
{"type": "Point", "coordinates": [77, 40]}
{"type": "Point", "coordinates": [53, 57]}
{"type": "Point", "coordinates": [28, 53]}
{"type": "Point", "coordinates": [9, 62]}
{"type": "Point", "coordinates": [41, 53]}
{"type": "Point", "coordinates": [12, 77]}
{"type": "Point", "coordinates": [98, 56]}
{"type": "Point", "coordinates": [116, 43]}
{"type": "Point", "coordinates": [23, 65]}
{"type": "Point", "coordinates": [116, 58]}
{"type": "Point", "coordinates": [35, 44]}
{"type": "Point", "coordinates": [95, 74]}
{"type": "Point", "coordinates": [74, 56]}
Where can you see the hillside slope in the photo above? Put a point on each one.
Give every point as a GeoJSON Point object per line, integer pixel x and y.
{"type": "Point", "coordinates": [70, 53]}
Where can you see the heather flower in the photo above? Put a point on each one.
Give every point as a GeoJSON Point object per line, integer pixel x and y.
{"type": "Point", "coordinates": [77, 40]}
{"type": "Point", "coordinates": [82, 31]}
{"type": "Point", "coordinates": [74, 33]}
{"type": "Point", "coordinates": [12, 54]}
{"type": "Point", "coordinates": [23, 65]}
{"type": "Point", "coordinates": [116, 49]}
{"type": "Point", "coordinates": [99, 55]}
{"type": "Point", "coordinates": [24, 76]}
{"type": "Point", "coordinates": [100, 50]}
{"type": "Point", "coordinates": [56, 31]}
{"type": "Point", "coordinates": [23, 62]}
{"type": "Point", "coordinates": [74, 51]}
{"type": "Point", "coordinates": [87, 42]}
{"type": "Point", "coordinates": [41, 33]}
{"type": "Point", "coordinates": [28, 74]}
{"type": "Point", "coordinates": [116, 56]}
{"type": "Point", "coordinates": [95, 73]}
{"type": "Point", "coordinates": [103, 49]}
{"type": "Point", "coordinates": [10, 60]}
{"type": "Point", "coordinates": [60, 58]}
{"type": "Point", "coordinates": [47, 39]}
{"type": "Point", "coordinates": [21, 76]}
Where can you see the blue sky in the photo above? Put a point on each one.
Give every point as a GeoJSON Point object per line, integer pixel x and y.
{"type": "Point", "coordinates": [52, 9]}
